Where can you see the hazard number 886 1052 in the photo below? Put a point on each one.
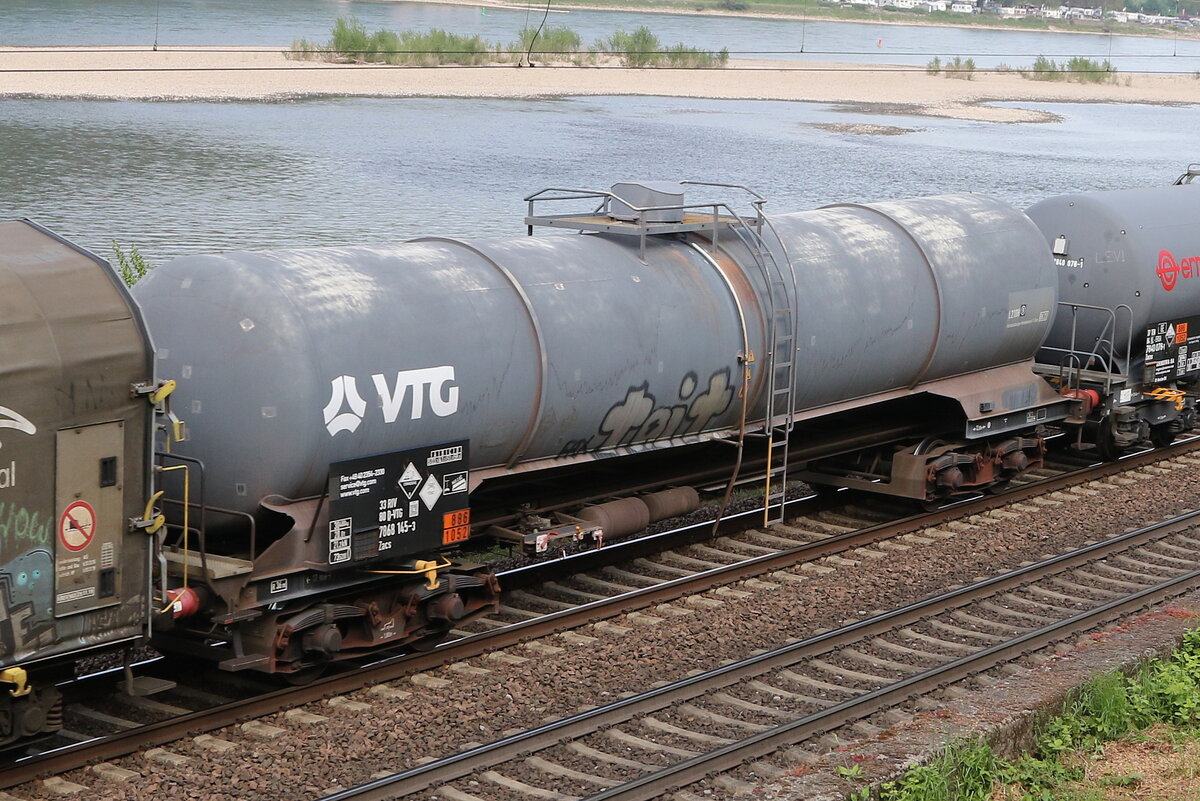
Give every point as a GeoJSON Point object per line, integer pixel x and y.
{"type": "Point", "coordinates": [456, 526]}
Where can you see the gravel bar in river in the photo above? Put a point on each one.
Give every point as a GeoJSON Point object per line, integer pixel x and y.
{"type": "Point", "coordinates": [254, 74]}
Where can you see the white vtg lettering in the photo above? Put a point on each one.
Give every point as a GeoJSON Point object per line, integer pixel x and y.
{"type": "Point", "coordinates": [428, 385]}
{"type": "Point", "coordinates": [443, 400]}
{"type": "Point", "coordinates": [8, 475]}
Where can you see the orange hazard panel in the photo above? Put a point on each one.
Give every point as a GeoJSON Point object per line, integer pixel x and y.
{"type": "Point", "coordinates": [456, 526]}
{"type": "Point", "coordinates": [1181, 332]}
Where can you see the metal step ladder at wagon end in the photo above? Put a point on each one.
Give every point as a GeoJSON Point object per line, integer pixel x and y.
{"type": "Point", "coordinates": [782, 297]}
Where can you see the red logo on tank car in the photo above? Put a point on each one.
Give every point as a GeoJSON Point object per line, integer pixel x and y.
{"type": "Point", "coordinates": [1170, 269]}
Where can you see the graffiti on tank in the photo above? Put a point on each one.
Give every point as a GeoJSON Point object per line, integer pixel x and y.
{"type": "Point", "coordinates": [26, 619]}
{"type": "Point", "coordinates": [640, 417]}
{"type": "Point", "coordinates": [19, 526]}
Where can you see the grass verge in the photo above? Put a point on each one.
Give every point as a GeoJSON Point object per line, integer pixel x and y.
{"type": "Point", "coordinates": [1160, 699]}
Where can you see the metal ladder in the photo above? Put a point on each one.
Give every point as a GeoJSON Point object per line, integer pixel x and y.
{"type": "Point", "coordinates": [780, 359]}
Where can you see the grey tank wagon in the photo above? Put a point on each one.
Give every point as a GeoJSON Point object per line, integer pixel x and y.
{"type": "Point", "coordinates": [342, 405]}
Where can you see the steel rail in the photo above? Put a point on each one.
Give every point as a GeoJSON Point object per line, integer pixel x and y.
{"type": "Point", "coordinates": [657, 784]}
{"type": "Point", "coordinates": [390, 669]}
{"type": "Point", "coordinates": [733, 524]}
{"type": "Point", "coordinates": [669, 779]}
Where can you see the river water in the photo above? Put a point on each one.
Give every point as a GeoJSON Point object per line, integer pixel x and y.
{"type": "Point", "coordinates": [277, 23]}
{"type": "Point", "coordinates": [177, 178]}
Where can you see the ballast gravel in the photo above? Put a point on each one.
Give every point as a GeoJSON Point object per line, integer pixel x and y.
{"type": "Point", "coordinates": [395, 733]}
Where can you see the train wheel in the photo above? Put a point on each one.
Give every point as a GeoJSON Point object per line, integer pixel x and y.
{"type": "Point", "coordinates": [426, 643]}
{"type": "Point", "coordinates": [933, 504]}
{"type": "Point", "coordinates": [1162, 435]}
{"type": "Point", "coordinates": [304, 675]}
{"type": "Point", "coordinates": [1106, 440]}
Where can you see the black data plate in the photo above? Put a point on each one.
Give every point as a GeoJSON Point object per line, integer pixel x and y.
{"type": "Point", "coordinates": [398, 504]}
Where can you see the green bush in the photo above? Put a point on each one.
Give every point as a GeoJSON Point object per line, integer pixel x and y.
{"type": "Point", "coordinates": [957, 67]}
{"type": "Point", "coordinates": [350, 39]}
{"type": "Point", "coordinates": [303, 48]}
{"type": "Point", "coordinates": [131, 266]}
{"type": "Point", "coordinates": [1045, 69]}
{"type": "Point", "coordinates": [643, 49]}
{"type": "Point", "coordinates": [1084, 70]}
{"type": "Point", "coordinates": [441, 47]}
{"type": "Point", "coordinates": [637, 49]}
{"type": "Point", "coordinates": [550, 40]}
{"type": "Point", "coordinates": [351, 42]}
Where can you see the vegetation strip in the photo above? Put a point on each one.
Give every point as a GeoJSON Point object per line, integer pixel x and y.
{"type": "Point", "coordinates": [1110, 707]}
{"type": "Point", "coordinates": [350, 42]}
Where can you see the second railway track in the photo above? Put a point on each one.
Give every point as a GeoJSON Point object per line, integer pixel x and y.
{"type": "Point", "coordinates": [720, 720]}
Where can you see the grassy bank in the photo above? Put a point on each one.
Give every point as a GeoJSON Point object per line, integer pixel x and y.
{"type": "Point", "coordinates": [814, 9]}
{"type": "Point", "coordinates": [351, 43]}
{"type": "Point", "coordinates": [1094, 751]}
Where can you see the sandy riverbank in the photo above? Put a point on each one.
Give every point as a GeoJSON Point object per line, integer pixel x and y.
{"type": "Point", "coordinates": [248, 74]}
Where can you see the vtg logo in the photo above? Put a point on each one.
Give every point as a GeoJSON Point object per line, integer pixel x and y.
{"type": "Point", "coordinates": [1170, 270]}
{"type": "Point", "coordinates": [10, 419]}
{"type": "Point", "coordinates": [428, 383]}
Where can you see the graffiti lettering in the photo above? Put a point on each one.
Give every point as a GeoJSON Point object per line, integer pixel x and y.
{"type": "Point", "coordinates": [639, 418]}
{"type": "Point", "coordinates": [20, 526]}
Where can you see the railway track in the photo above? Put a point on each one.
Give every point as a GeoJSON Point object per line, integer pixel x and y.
{"type": "Point", "coordinates": [536, 621]}
{"type": "Point", "coordinates": [673, 736]}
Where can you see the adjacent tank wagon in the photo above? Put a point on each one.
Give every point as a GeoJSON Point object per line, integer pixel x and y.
{"type": "Point", "coordinates": [76, 411]}
{"type": "Point", "coordinates": [1127, 336]}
